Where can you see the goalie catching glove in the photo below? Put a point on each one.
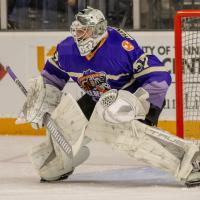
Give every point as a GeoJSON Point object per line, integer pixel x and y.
{"type": "Point", "coordinates": [41, 98]}
{"type": "Point", "coordinates": [123, 106]}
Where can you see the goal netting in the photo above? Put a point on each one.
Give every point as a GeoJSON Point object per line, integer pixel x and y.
{"type": "Point", "coordinates": [187, 69]}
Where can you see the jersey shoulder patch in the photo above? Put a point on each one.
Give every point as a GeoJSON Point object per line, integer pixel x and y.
{"type": "Point", "coordinates": [127, 45]}
{"type": "Point", "coordinates": [126, 41]}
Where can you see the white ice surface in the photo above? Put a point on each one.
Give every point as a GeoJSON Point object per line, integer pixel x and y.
{"type": "Point", "coordinates": [106, 175]}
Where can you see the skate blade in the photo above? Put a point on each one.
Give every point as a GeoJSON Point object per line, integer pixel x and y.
{"type": "Point", "coordinates": [192, 183]}
{"type": "Point", "coordinates": [63, 177]}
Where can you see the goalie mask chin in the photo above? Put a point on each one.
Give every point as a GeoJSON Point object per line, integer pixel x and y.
{"type": "Point", "coordinates": [88, 29]}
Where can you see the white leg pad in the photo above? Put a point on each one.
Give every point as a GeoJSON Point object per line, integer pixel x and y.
{"type": "Point", "coordinates": [69, 117]}
{"type": "Point", "coordinates": [59, 165]}
{"type": "Point", "coordinates": [146, 143]}
{"type": "Point", "coordinates": [188, 148]}
{"type": "Point", "coordinates": [49, 158]}
{"type": "Point", "coordinates": [40, 154]}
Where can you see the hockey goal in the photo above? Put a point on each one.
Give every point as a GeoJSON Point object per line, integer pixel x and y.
{"type": "Point", "coordinates": [187, 72]}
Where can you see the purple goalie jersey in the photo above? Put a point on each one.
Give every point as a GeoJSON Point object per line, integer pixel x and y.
{"type": "Point", "coordinates": [117, 63]}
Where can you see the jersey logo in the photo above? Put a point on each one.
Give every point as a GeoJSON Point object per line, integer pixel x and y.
{"type": "Point", "coordinates": [127, 45]}
{"type": "Point", "coordinates": [94, 83]}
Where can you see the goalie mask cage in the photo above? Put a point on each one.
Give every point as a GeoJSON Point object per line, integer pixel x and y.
{"type": "Point", "coordinates": [187, 72]}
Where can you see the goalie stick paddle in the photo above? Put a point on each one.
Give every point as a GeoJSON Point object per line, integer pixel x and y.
{"type": "Point", "coordinates": [2, 71]}
{"type": "Point", "coordinates": [55, 132]}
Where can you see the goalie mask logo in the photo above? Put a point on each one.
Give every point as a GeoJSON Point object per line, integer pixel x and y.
{"type": "Point", "coordinates": [94, 83]}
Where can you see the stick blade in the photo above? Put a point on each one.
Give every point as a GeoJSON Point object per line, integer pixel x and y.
{"type": "Point", "coordinates": [2, 71]}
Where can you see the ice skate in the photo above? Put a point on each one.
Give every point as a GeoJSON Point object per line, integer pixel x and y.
{"type": "Point", "coordinates": [61, 178]}
{"type": "Point", "coordinates": [193, 179]}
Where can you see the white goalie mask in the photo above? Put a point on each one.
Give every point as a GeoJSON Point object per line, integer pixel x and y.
{"type": "Point", "coordinates": [88, 29]}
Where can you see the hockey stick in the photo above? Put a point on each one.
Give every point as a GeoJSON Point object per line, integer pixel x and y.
{"type": "Point", "coordinates": [2, 71]}
{"type": "Point", "coordinates": [49, 123]}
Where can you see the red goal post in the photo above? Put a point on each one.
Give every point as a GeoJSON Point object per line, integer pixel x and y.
{"type": "Point", "coordinates": [187, 72]}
